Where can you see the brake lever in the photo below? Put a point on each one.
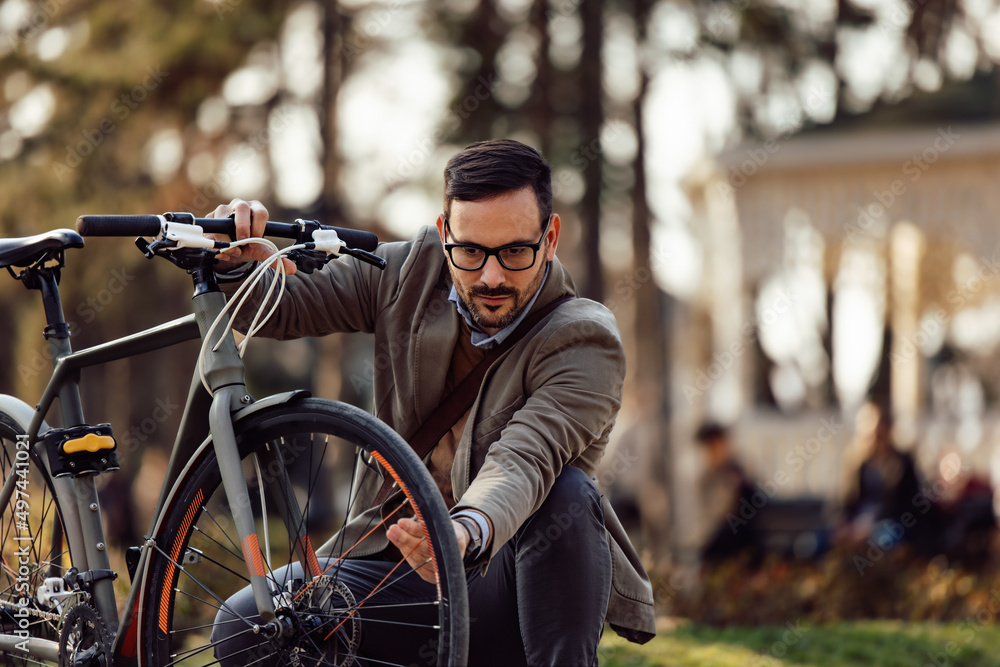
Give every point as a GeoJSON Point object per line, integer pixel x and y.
{"type": "Point", "coordinates": [365, 256]}
{"type": "Point", "coordinates": [150, 250]}
{"type": "Point", "coordinates": [308, 261]}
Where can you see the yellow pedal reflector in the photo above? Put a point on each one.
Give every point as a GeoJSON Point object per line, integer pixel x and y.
{"type": "Point", "coordinates": [89, 443]}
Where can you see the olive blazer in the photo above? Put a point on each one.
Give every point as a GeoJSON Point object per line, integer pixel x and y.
{"type": "Point", "coordinates": [549, 402]}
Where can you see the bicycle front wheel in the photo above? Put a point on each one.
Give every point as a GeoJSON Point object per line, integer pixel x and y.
{"type": "Point", "coordinates": [198, 607]}
{"type": "Point", "coordinates": [32, 541]}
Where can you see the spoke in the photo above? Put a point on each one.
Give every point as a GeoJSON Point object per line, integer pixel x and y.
{"type": "Point", "coordinates": [302, 529]}
{"type": "Point", "coordinates": [198, 599]}
{"type": "Point", "coordinates": [368, 597]}
{"type": "Point", "coordinates": [344, 555]}
{"type": "Point", "coordinates": [226, 567]}
{"type": "Point", "coordinates": [201, 585]}
{"type": "Point", "coordinates": [204, 627]}
{"type": "Point", "coordinates": [211, 539]}
{"type": "Point", "coordinates": [263, 512]}
{"type": "Point", "coordinates": [184, 655]}
{"type": "Point", "coordinates": [236, 552]}
{"type": "Point", "coordinates": [210, 583]}
{"type": "Point", "coordinates": [393, 605]}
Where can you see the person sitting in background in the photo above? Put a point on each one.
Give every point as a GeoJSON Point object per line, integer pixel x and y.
{"type": "Point", "coordinates": [964, 499]}
{"type": "Point", "coordinates": [884, 488]}
{"type": "Point", "coordinates": [723, 484]}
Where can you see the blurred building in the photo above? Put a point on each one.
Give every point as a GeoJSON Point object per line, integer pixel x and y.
{"type": "Point", "coordinates": [856, 261]}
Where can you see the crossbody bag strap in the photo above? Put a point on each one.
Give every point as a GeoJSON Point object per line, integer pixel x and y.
{"type": "Point", "coordinates": [464, 395]}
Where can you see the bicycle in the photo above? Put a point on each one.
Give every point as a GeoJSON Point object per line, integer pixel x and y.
{"type": "Point", "coordinates": [245, 491]}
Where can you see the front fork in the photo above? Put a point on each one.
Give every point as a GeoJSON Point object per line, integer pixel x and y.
{"type": "Point", "coordinates": [224, 373]}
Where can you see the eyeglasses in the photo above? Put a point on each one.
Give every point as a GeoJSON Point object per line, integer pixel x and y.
{"type": "Point", "coordinates": [513, 257]}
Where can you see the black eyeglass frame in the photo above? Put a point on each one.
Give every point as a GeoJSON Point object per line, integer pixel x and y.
{"type": "Point", "coordinates": [488, 252]}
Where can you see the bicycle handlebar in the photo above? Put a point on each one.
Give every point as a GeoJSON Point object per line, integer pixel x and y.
{"type": "Point", "coordinates": [151, 225]}
{"type": "Point", "coordinates": [118, 225]}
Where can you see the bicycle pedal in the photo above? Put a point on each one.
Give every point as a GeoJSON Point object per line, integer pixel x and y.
{"type": "Point", "coordinates": [81, 450]}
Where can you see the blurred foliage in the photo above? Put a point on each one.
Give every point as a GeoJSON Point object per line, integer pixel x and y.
{"type": "Point", "coordinates": [127, 70]}
{"type": "Point", "coordinates": [140, 67]}
{"type": "Point", "coordinates": [841, 586]}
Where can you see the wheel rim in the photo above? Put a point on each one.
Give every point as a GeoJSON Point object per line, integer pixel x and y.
{"type": "Point", "coordinates": [32, 543]}
{"type": "Point", "coordinates": [203, 563]}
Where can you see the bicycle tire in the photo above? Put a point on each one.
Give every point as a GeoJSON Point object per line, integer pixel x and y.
{"type": "Point", "coordinates": [35, 541]}
{"type": "Point", "coordinates": [181, 604]}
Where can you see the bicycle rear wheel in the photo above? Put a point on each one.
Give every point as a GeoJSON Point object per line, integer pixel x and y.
{"type": "Point", "coordinates": [195, 598]}
{"type": "Point", "coordinates": [32, 542]}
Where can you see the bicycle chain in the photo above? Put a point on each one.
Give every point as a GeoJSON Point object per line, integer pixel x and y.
{"type": "Point", "coordinates": [48, 616]}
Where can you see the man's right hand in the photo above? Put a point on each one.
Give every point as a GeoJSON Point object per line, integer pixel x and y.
{"type": "Point", "coordinates": [250, 218]}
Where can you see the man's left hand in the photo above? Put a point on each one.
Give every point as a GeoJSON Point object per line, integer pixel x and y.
{"type": "Point", "coordinates": [408, 536]}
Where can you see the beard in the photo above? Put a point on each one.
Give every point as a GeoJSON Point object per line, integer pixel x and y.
{"type": "Point", "coordinates": [497, 317]}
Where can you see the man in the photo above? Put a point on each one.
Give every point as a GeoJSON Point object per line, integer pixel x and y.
{"type": "Point", "coordinates": [525, 453]}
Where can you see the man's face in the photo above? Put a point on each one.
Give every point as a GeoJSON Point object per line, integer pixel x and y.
{"type": "Point", "coordinates": [495, 296]}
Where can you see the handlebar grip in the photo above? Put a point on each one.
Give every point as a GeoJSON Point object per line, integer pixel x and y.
{"type": "Point", "coordinates": [357, 239]}
{"type": "Point", "coordinates": [118, 225]}
{"type": "Point", "coordinates": [354, 238]}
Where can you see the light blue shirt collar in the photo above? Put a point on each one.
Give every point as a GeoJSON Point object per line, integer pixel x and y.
{"type": "Point", "coordinates": [479, 337]}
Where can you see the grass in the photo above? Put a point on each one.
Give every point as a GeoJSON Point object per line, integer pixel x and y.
{"type": "Point", "coordinates": [870, 643]}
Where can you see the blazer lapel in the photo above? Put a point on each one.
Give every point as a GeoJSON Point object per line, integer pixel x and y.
{"type": "Point", "coordinates": [435, 341]}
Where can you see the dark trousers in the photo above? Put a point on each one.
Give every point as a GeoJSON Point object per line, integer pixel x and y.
{"type": "Point", "coordinates": [541, 601]}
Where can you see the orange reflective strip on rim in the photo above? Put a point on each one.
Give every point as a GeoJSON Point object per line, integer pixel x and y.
{"type": "Point", "coordinates": [251, 554]}
{"type": "Point", "coordinates": [175, 552]}
{"type": "Point", "coordinates": [416, 512]}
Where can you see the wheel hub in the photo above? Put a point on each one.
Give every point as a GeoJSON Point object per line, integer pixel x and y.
{"type": "Point", "coordinates": [319, 626]}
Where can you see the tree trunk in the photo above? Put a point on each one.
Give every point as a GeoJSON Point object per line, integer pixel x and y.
{"type": "Point", "coordinates": [591, 120]}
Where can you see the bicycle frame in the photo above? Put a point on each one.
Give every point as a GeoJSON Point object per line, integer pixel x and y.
{"type": "Point", "coordinates": [203, 414]}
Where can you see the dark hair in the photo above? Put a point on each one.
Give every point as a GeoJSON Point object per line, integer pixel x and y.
{"type": "Point", "coordinates": [710, 431]}
{"type": "Point", "coordinates": [488, 169]}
